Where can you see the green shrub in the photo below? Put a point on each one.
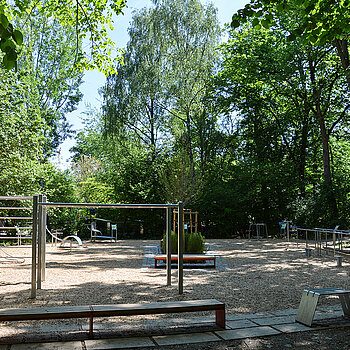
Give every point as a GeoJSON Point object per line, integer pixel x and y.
{"type": "Point", "coordinates": [194, 243]}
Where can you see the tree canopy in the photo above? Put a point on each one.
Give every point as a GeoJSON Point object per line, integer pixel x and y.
{"type": "Point", "coordinates": [91, 20]}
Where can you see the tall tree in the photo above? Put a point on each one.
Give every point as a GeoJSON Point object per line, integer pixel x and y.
{"type": "Point", "coordinates": [47, 61]}
{"type": "Point", "coordinates": [169, 61]}
{"type": "Point", "coordinates": [319, 21]}
{"type": "Point", "coordinates": [90, 19]}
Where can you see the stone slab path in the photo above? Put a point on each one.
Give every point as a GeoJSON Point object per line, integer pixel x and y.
{"type": "Point", "coordinates": [172, 331]}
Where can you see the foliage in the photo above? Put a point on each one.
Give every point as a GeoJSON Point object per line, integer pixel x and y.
{"type": "Point", "coordinates": [21, 136]}
{"type": "Point", "coordinates": [90, 19]}
{"type": "Point", "coordinates": [194, 243]}
{"type": "Point", "coordinates": [47, 61]}
{"type": "Point", "coordinates": [319, 21]}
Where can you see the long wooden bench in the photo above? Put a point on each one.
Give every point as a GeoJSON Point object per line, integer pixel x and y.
{"type": "Point", "coordinates": [91, 311]}
{"type": "Point", "coordinates": [186, 257]}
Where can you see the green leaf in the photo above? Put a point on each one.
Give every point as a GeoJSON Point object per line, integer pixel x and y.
{"type": "Point", "coordinates": [8, 64]}
{"type": "Point", "coordinates": [7, 45]}
{"type": "Point", "coordinates": [265, 23]}
{"type": "Point", "coordinates": [255, 22]}
{"type": "Point", "coordinates": [235, 23]}
{"type": "Point", "coordinates": [12, 55]}
{"type": "Point", "coordinates": [17, 37]}
{"type": "Point", "coordinates": [4, 21]}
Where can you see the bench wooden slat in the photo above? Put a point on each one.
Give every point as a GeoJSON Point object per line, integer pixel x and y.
{"type": "Point", "coordinates": [45, 313]}
{"type": "Point", "coordinates": [186, 257]}
{"type": "Point", "coordinates": [157, 308]}
{"type": "Point", "coordinates": [92, 311]}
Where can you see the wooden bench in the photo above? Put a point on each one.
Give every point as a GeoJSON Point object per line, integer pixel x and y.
{"type": "Point", "coordinates": [309, 300]}
{"type": "Point", "coordinates": [91, 311]}
{"type": "Point", "coordinates": [186, 257]}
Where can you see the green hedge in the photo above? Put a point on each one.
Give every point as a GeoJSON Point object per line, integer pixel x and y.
{"type": "Point", "coordinates": [194, 243]}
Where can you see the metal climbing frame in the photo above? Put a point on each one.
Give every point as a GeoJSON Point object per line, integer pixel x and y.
{"type": "Point", "coordinates": [19, 234]}
{"type": "Point", "coordinates": [39, 228]}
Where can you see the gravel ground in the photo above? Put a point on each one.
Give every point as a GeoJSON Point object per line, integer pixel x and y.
{"type": "Point", "coordinates": [253, 276]}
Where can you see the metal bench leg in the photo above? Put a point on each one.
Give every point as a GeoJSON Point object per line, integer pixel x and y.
{"type": "Point", "coordinates": [220, 318]}
{"type": "Point", "coordinates": [91, 324]}
{"type": "Point", "coordinates": [345, 303]}
{"type": "Point", "coordinates": [307, 308]}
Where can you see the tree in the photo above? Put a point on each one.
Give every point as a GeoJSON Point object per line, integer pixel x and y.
{"type": "Point", "coordinates": [290, 98]}
{"type": "Point", "coordinates": [46, 62]}
{"type": "Point", "coordinates": [160, 92]}
{"type": "Point", "coordinates": [91, 19]}
{"type": "Point", "coordinates": [319, 21]}
{"type": "Point", "coordinates": [21, 136]}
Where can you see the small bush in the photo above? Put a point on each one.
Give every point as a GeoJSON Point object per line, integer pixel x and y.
{"type": "Point", "coordinates": [194, 243]}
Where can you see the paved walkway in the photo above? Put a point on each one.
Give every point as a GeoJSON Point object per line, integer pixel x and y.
{"type": "Point", "coordinates": [179, 331]}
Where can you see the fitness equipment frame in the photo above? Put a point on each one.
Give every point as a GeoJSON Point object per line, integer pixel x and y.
{"type": "Point", "coordinates": [40, 206]}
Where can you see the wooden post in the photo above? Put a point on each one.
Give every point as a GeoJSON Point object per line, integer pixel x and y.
{"type": "Point", "coordinates": [34, 249]}
{"type": "Point", "coordinates": [168, 246]}
{"type": "Point", "coordinates": [196, 220]}
{"type": "Point", "coordinates": [191, 220]}
{"type": "Point", "coordinates": [180, 242]}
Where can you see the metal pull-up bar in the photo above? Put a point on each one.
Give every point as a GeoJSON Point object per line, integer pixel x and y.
{"type": "Point", "coordinates": [39, 243]}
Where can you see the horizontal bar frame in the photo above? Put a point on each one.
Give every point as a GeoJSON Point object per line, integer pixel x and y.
{"type": "Point", "coordinates": [101, 205]}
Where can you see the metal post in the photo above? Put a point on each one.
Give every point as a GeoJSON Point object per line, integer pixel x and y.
{"type": "Point", "coordinates": [180, 243]}
{"type": "Point", "coordinates": [34, 250]}
{"type": "Point", "coordinates": [168, 246]}
{"type": "Point", "coordinates": [40, 235]}
{"type": "Point", "coordinates": [43, 247]}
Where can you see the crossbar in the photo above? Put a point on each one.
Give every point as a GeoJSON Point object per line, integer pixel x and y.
{"type": "Point", "coordinates": [103, 205]}
{"type": "Point", "coordinates": [10, 198]}
{"type": "Point", "coordinates": [16, 208]}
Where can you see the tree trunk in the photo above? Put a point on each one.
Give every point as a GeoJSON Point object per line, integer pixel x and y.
{"type": "Point", "coordinates": [327, 175]}
{"type": "Point", "coordinates": [343, 53]}
{"type": "Point", "coordinates": [302, 157]}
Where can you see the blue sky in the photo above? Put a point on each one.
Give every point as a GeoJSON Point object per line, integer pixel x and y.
{"type": "Point", "coordinates": [93, 80]}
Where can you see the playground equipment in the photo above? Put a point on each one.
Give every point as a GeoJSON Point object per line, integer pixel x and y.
{"type": "Point", "coordinates": [189, 224]}
{"type": "Point", "coordinates": [64, 240]}
{"type": "Point", "coordinates": [329, 240]}
{"type": "Point", "coordinates": [257, 229]}
{"type": "Point", "coordinates": [10, 258]}
{"type": "Point", "coordinates": [21, 232]}
{"type": "Point", "coordinates": [287, 228]}
{"type": "Point", "coordinates": [40, 206]}
{"type": "Point", "coordinates": [97, 234]}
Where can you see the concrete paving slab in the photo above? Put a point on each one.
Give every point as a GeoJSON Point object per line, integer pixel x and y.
{"type": "Point", "coordinates": [247, 333]}
{"type": "Point", "coordinates": [269, 321]}
{"type": "Point", "coordinates": [54, 328]}
{"type": "Point", "coordinates": [258, 315]}
{"type": "Point", "coordinates": [119, 343]}
{"type": "Point", "coordinates": [292, 328]}
{"type": "Point", "coordinates": [236, 317]}
{"type": "Point", "coordinates": [287, 312]}
{"type": "Point", "coordinates": [71, 345]}
{"type": "Point", "coordinates": [325, 315]}
{"type": "Point", "coordinates": [185, 338]}
{"type": "Point", "coordinates": [240, 324]}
